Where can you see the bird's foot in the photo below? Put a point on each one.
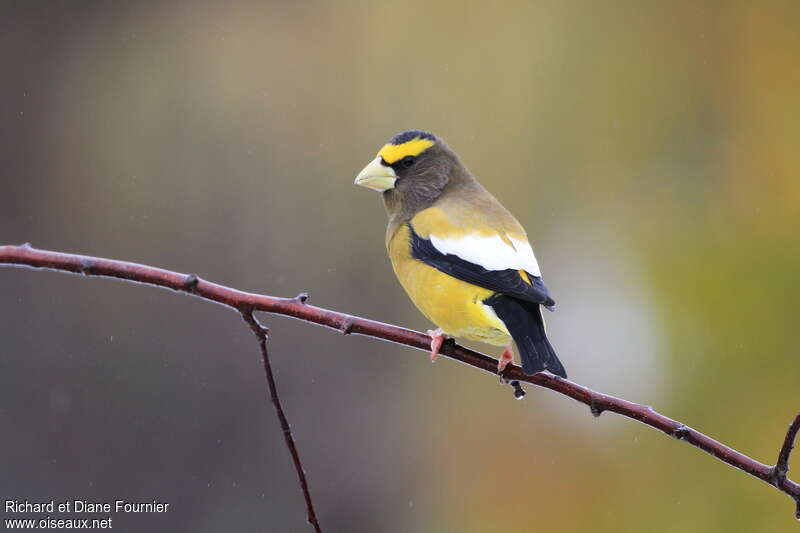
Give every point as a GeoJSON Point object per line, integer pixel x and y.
{"type": "Point", "coordinates": [437, 339]}
{"type": "Point", "coordinates": [507, 357]}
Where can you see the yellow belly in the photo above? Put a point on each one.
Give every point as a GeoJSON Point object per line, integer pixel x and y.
{"type": "Point", "coordinates": [453, 305]}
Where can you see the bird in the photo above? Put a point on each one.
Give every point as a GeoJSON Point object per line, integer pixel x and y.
{"type": "Point", "coordinates": [462, 258]}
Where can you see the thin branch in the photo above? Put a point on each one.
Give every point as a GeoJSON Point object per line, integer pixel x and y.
{"type": "Point", "coordinates": [261, 334]}
{"type": "Point", "coordinates": [297, 308]}
{"type": "Point", "coordinates": [781, 468]}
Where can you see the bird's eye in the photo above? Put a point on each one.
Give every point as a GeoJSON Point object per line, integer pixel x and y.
{"type": "Point", "coordinates": [407, 161]}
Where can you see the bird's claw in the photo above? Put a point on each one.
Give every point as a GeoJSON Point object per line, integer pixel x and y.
{"type": "Point", "coordinates": [502, 363]}
{"type": "Point", "coordinates": [437, 339]}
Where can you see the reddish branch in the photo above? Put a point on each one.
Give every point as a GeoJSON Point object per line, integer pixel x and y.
{"type": "Point", "coordinates": [246, 303]}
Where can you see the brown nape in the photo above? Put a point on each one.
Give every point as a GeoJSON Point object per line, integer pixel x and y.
{"type": "Point", "coordinates": [436, 170]}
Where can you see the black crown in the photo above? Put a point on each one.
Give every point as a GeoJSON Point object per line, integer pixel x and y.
{"type": "Point", "coordinates": [410, 135]}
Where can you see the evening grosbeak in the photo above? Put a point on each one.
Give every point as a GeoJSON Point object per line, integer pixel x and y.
{"type": "Point", "coordinates": [463, 259]}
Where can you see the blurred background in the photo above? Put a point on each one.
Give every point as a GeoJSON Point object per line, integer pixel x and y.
{"type": "Point", "coordinates": [650, 151]}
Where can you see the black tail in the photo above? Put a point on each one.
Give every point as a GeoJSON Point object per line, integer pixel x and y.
{"type": "Point", "coordinates": [526, 325]}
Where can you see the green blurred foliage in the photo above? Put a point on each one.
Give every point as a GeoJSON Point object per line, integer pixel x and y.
{"type": "Point", "coordinates": [649, 148]}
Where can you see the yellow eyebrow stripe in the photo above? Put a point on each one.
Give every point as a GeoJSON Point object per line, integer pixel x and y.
{"type": "Point", "coordinates": [392, 153]}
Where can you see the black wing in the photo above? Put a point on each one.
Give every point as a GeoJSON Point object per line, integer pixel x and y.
{"type": "Point", "coordinates": [503, 281]}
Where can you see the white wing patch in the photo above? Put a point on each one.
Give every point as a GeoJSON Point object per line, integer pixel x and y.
{"type": "Point", "coordinates": [490, 252]}
{"type": "Point", "coordinates": [529, 263]}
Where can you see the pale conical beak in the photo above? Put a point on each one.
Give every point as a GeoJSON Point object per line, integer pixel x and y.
{"type": "Point", "coordinates": [376, 176]}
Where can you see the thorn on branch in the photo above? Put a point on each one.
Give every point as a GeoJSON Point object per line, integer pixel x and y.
{"type": "Point", "coordinates": [347, 326]}
{"type": "Point", "coordinates": [301, 298]}
{"type": "Point", "coordinates": [519, 392]}
{"type": "Point", "coordinates": [26, 245]}
{"type": "Point", "coordinates": [779, 473]}
{"type": "Point", "coordinates": [681, 432]}
{"type": "Point", "coordinates": [595, 409]}
{"type": "Point", "coordinates": [190, 283]}
{"type": "Point", "coordinates": [87, 267]}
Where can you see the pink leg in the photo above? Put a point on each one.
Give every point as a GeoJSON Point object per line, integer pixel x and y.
{"type": "Point", "coordinates": [437, 338]}
{"type": "Point", "coordinates": [507, 357]}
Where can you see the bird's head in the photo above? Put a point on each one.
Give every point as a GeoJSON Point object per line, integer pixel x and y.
{"type": "Point", "coordinates": [411, 170]}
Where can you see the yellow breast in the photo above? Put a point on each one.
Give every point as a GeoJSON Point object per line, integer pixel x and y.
{"type": "Point", "coordinates": [453, 305]}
